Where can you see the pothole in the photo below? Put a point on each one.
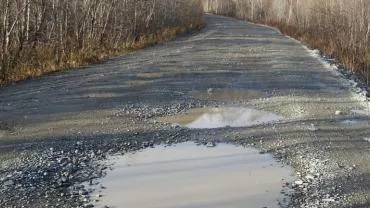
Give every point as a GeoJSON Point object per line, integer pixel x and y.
{"type": "Point", "coordinates": [187, 175]}
{"type": "Point", "coordinates": [207, 118]}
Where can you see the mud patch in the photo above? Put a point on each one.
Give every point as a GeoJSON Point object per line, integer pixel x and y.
{"type": "Point", "coordinates": [208, 118]}
{"type": "Point", "coordinates": [186, 175]}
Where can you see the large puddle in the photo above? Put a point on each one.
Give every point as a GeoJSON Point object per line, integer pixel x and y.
{"type": "Point", "coordinates": [188, 176]}
{"type": "Point", "coordinates": [207, 118]}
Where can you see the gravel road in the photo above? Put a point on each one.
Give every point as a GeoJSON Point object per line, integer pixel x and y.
{"type": "Point", "coordinates": [55, 131]}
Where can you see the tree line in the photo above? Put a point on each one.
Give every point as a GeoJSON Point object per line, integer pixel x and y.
{"type": "Point", "coordinates": [339, 28]}
{"type": "Point", "coordinates": [39, 36]}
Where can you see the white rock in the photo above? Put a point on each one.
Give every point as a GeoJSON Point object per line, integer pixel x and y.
{"type": "Point", "coordinates": [328, 200]}
{"type": "Point", "coordinates": [338, 113]}
{"type": "Point", "coordinates": [211, 144]}
{"type": "Point", "coordinates": [310, 177]}
{"type": "Point", "coordinates": [312, 127]}
{"type": "Point", "coordinates": [298, 182]}
{"type": "Point", "coordinates": [9, 183]}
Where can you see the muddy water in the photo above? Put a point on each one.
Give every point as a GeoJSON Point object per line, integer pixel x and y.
{"type": "Point", "coordinates": [207, 118]}
{"type": "Point", "coordinates": [187, 175]}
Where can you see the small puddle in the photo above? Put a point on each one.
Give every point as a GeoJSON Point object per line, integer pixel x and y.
{"type": "Point", "coordinates": [208, 118]}
{"type": "Point", "coordinates": [350, 122]}
{"type": "Point", "coordinates": [186, 175]}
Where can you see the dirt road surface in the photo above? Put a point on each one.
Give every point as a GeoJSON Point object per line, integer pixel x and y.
{"type": "Point", "coordinates": [55, 130]}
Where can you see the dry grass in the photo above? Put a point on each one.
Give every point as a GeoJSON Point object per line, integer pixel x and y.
{"type": "Point", "coordinates": [355, 59]}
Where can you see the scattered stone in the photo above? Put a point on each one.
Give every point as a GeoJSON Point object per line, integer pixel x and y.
{"type": "Point", "coordinates": [338, 113]}
{"type": "Point", "coordinates": [328, 200]}
{"type": "Point", "coordinates": [310, 177]}
{"type": "Point", "coordinates": [312, 127]}
{"type": "Point", "coordinates": [83, 192]}
{"type": "Point", "coordinates": [211, 144]}
{"type": "Point", "coordinates": [9, 183]}
{"type": "Point", "coordinates": [298, 182]}
{"type": "Point", "coordinates": [88, 205]}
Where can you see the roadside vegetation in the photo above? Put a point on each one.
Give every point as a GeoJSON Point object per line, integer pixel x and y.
{"type": "Point", "coordinates": [43, 36]}
{"type": "Point", "coordinates": [338, 28]}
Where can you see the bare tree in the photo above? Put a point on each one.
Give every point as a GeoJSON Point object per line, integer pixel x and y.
{"type": "Point", "coordinates": [45, 35]}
